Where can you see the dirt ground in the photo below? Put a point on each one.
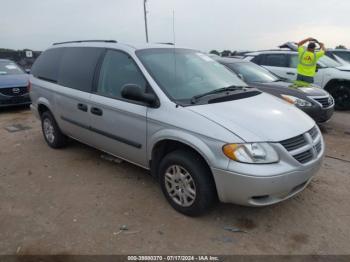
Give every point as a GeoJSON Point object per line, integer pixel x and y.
{"type": "Point", "coordinates": [71, 201]}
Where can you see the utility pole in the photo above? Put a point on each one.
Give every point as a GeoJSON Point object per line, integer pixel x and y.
{"type": "Point", "coordinates": [145, 15]}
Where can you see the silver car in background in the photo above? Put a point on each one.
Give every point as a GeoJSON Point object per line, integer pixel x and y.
{"type": "Point", "coordinates": [179, 114]}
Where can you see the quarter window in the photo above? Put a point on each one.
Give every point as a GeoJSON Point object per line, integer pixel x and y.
{"type": "Point", "coordinates": [118, 69]}
{"type": "Point", "coordinates": [47, 65]}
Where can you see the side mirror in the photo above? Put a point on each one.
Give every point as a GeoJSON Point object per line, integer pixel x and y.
{"type": "Point", "coordinates": [135, 92]}
{"type": "Point", "coordinates": [241, 76]}
{"type": "Point", "coordinates": [318, 67]}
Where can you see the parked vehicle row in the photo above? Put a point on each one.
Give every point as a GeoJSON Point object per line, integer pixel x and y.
{"type": "Point", "coordinates": [332, 76]}
{"type": "Point", "coordinates": [188, 119]}
{"type": "Point", "coordinates": [311, 99]}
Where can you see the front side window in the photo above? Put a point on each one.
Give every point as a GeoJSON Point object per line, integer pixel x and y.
{"type": "Point", "coordinates": [252, 72]}
{"type": "Point", "coordinates": [183, 73]}
{"type": "Point", "coordinates": [118, 69]}
{"type": "Point", "coordinates": [9, 68]}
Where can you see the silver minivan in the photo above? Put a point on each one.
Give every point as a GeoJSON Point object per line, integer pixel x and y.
{"type": "Point", "coordinates": [197, 127]}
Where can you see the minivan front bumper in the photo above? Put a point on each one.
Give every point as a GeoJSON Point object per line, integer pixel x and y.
{"type": "Point", "coordinates": [257, 190]}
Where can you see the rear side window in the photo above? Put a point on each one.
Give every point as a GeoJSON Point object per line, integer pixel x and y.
{"type": "Point", "coordinates": [78, 66]}
{"type": "Point", "coordinates": [46, 67]}
{"type": "Point", "coordinates": [277, 60]}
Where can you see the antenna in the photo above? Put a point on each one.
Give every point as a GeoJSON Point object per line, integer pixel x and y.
{"type": "Point", "coordinates": [174, 48]}
{"type": "Point", "coordinates": [145, 16]}
{"type": "Point", "coordinates": [174, 27]}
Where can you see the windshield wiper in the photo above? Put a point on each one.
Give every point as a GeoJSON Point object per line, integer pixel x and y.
{"type": "Point", "coordinates": [216, 91]}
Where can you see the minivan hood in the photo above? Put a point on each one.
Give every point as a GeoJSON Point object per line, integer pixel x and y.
{"type": "Point", "coordinates": [13, 80]}
{"type": "Point", "coordinates": [262, 118]}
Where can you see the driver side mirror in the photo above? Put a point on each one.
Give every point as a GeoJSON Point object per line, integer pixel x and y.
{"type": "Point", "coordinates": [318, 67]}
{"type": "Point", "coordinates": [136, 93]}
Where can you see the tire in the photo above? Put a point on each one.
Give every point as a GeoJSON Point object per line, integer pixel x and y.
{"type": "Point", "coordinates": [195, 193]}
{"type": "Point", "coordinates": [52, 133]}
{"type": "Point", "coordinates": [341, 95]}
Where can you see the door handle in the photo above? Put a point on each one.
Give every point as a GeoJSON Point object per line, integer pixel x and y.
{"type": "Point", "coordinates": [291, 73]}
{"type": "Point", "coordinates": [83, 107]}
{"type": "Point", "coordinates": [96, 111]}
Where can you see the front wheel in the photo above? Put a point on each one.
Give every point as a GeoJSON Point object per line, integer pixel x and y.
{"type": "Point", "coordinates": [187, 183]}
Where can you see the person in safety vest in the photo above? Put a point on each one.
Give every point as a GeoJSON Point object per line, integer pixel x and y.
{"type": "Point", "coordinates": [308, 59]}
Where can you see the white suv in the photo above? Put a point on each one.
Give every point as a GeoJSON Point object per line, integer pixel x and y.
{"type": "Point", "coordinates": [332, 76]}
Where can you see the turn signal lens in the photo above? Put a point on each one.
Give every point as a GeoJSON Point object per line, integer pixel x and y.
{"type": "Point", "coordinates": [229, 151]}
{"type": "Point", "coordinates": [253, 153]}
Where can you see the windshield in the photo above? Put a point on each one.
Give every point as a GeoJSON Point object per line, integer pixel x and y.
{"type": "Point", "coordinates": [325, 61]}
{"type": "Point", "coordinates": [183, 73]}
{"type": "Point", "coordinates": [9, 68]}
{"type": "Point", "coordinates": [343, 54]}
{"type": "Point", "coordinates": [252, 72]}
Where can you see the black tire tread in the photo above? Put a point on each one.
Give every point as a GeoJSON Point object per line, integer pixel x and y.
{"type": "Point", "coordinates": [60, 139]}
{"type": "Point", "coordinates": [206, 190]}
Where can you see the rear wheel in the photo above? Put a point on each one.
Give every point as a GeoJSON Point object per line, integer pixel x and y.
{"type": "Point", "coordinates": [52, 133]}
{"type": "Point", "coordinates": [187, 183]}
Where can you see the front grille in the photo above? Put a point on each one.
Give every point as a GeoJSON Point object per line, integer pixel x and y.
{"type": "Point", "coordinates": [319, 147]}
{"type": "Point", "coordinates": [294, 143]}
{"type": "Point", "coordinates": [304, 157]}
{"type": "Point", "coordinates": [14, 91]}
{"type": "Point", "coordinates": [310, 143]}
{"type": "Point", "coordinates": [324, 101]}
{"type": "Point", "coordinates": [313, 132]}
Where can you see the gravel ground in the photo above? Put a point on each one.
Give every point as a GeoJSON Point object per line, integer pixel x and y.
{"type": "Point", "coordinates": [71, 201]}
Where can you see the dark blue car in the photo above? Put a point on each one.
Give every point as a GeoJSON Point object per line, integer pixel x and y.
{"type": "Point", "coordinates": [14, 84]}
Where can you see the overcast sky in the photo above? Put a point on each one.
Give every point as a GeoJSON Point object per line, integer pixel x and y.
{"type": "Point", "coordinates": [200, 24]}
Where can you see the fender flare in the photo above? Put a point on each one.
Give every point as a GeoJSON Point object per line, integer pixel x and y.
{"type": "Point", "coordinates": [182, 137]}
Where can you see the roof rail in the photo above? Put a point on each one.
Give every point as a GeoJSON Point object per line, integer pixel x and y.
{"type": "Point", "coordinates": [84, 41]}
{"type": "Point", "coordinates": [161, 43]}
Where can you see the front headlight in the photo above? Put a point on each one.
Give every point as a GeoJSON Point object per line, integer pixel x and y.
{"type": "Point", "coordinates": [296, 101]}
{"type": "Point", "coordinates": [253, 153]}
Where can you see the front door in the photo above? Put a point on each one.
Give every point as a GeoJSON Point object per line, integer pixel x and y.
{"type": "Point", "coordinates": [119, 125]}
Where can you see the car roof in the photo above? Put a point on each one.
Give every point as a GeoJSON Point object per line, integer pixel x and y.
{"type": "Point", "coordinates": [113, 44]}
{"type": "Point", "coordinates": [272, 51]}
{"type": "Point", "coordinates": [228, 60]}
